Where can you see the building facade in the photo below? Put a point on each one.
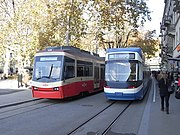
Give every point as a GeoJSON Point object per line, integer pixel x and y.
{"type": "Point", "coordinates": [170, 36]}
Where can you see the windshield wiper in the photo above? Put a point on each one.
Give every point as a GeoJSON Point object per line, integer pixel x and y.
{"type": "Point", "coordinates": [51, 71]}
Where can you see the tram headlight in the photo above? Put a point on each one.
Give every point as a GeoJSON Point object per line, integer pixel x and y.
{"type": "Point", "coordinates": [131, 87]}
{"type": "Point", "coordinates": [35, 88]}
{"type": "Point", "coordinates": [56, 88]}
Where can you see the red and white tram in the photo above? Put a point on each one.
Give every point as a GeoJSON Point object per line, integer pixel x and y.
{"type": "Point", "coordinates": [66, 71]}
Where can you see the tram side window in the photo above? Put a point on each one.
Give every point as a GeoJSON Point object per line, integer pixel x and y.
{"type": "Point", "coordinates": [140, 71]}
{"type": "Point", "coordinates": [69, 68]}
{"type": "Point", "coordinates": [133, 70]}
{"type": "Point", "coordinates": [132, 76]}
{"type": "Point", "coordinates": [102, 71]}
{"type": "Point", "coordinates": [88, 70]}
{"type": "Point", "coordinates": [84, 68]}
{"type": "Point", "coordinates": [80, 68]}
{"type": "Point", "coordinates": [96, 72]}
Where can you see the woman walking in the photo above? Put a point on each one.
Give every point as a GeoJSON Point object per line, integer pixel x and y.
{"type": "Point", "coordinates": [163, 83]}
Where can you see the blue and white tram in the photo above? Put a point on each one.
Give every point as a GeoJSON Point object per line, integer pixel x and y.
{"type": "Point", "coordinates": [126, 76]}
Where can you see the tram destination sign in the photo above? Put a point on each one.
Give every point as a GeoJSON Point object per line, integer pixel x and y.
{"type": "Point", "coordinates": [48, 58]}
{"type": "Point", "coordinates": [121, 56]}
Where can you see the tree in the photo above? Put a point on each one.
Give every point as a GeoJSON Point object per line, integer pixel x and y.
{"type": "Point", "coordinates": [7, 14]}
{"type": "Point", "coordinates": [65, 25]}
{"type": "Point", "coordinates": [28, 26]}
{"type": "Point", "coordinates": [147, 42]}
{"type": "Point", "coordinates": [121, 17]}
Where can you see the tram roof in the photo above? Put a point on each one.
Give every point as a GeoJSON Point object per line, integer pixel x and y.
{"type": "Point", "coordinates": [128, 49]}
{"type": "Point", "coordinates": [74, 51]}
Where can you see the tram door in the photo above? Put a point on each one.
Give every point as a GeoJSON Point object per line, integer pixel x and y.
{"type": "Point", "coordinates": [96, 76]}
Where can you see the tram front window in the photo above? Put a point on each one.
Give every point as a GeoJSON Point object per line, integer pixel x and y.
{"type": "Point", "coordinates": [47, 68]}
{"type": "Point", "coordinates": [120, 71]}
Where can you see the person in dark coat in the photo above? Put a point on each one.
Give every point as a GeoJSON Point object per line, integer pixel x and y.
{"type": "Point", "coordinates": [163, 83]}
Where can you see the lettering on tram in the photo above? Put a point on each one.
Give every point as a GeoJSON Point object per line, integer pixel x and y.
{"type": "Point", "coordinates": [66, 71]}
{"type": "Point", "coordinates": [123, 56]}
{"type": "Point", "coordinates": [126, 75]}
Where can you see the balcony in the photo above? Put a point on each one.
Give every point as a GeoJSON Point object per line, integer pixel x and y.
{"type": "Point", "coordinates": [171, 30]}
{"type": "Point", "coordinates": [162, 27]}
{"type": "Point", "coordinates": [167, 20]}
{"type": "Point", "coordinates": [176, 6]}
{"type": "Point", "coordinates": [177, 9]}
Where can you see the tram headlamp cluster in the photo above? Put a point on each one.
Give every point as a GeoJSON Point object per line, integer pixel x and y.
{"type": "Point", "coordinates": [56, 88]}
{"type": "Point", "coordinates": [131, 87]}
{"type": "Point", "coordinates": [35, 88]}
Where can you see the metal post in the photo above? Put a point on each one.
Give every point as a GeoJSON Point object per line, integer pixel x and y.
{"type": "Point", "coordinates": [68, 36]}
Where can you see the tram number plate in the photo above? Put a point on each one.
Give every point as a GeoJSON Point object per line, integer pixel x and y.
{"type": "Point", "coordinates": [118, 93]}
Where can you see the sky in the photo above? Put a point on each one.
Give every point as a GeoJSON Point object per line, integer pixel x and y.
{"type": "Point", "coordinates": [157, 8]}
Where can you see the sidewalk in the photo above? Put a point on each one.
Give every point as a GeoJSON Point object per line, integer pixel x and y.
{"type": "Point", "coordinates": [11, 94]}
{"type": "Point", "coordinates": [161, 123]}
{"type": "Point", "coordinates": [9, 84]}
{"type": "Point", "coordinates": [154, 121]}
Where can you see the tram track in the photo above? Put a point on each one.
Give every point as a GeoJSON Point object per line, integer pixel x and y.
{"type": "Point", "coordinates": [37, 99]}
{"type": "Point", "coordinates": [114, 121]}
{"type": "Point", "coordinates": [106, 130]}
{"type": "Point", "coordinates": [11, 110]}
{"type": "Point", "coordinates": [16, 108]}
{"type": "Point", "coordinates": [18, 103]}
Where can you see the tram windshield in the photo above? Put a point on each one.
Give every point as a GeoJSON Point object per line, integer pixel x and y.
{"type": "Point", "coordinates": [47, 68]}
{"type": "Point", "coordinates": [121, 70]}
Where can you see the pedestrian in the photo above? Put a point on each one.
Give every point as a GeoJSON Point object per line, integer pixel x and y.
{"type": "Point", "coordinates": [26, 78]}
{"type": "Point", "coordinates": [163, 83]}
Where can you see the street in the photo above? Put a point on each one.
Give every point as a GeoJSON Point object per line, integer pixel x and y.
{"type": "Point", "coordinates": [90, 115]}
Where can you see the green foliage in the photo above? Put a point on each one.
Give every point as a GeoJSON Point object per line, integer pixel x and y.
{"type": "Point", "coordinates": [28, 26]}
{"type": "Point", "coordinates": [148, 44]}
{"type": "Point", "coordinates": [120, 17]}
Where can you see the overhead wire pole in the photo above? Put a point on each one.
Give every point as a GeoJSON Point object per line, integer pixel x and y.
{"type": "Point", "coordinates": [68, 36]}
{"type": "Point", "coordinates": [97, 42]}
{"type": "Point", "coordinates": [98, 25]}
{"type": "Point", "coordinates": [67, 32]}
